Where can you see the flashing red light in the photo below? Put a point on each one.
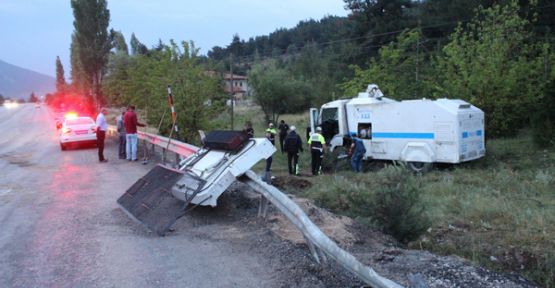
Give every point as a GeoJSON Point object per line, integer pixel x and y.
{"type": "Point", "coordinates": [70, 115]}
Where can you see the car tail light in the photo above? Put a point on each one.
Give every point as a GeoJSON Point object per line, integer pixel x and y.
{"type": "Point", "coordinates": [66, 130]}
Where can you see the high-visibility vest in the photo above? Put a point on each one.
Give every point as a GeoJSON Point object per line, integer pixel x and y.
{"type": "Point", "coordinates": [316, 141]}
{"type": "Point", "coordinates": [272, 132]}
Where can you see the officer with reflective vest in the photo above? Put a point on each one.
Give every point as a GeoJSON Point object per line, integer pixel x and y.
{"type": "Point", "coordinates": [317, 144]}
{"type": "Point", "coordinates": [271, 136]}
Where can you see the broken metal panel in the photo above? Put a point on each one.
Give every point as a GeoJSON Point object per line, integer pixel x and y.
{"type": "Point", "coordinates": [151, 202]}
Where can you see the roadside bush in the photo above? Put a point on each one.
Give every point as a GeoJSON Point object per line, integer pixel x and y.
{"type": "Point", "coordinates": [396, 205]}
{"type": "Point", "coordinates": [543, 121]}
{"type": "Point", "coordinates": [389, 199]}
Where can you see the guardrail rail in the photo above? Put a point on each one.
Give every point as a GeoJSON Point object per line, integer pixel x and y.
{"type": "Point", "coordinates": [320, 245]}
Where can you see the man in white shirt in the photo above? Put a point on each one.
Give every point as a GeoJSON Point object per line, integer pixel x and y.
{"type": "Point", "coordinates": [101, 127]}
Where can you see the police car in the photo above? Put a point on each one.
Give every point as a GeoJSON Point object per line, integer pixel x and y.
{"type": "Point", "coordinates": [77, 130]}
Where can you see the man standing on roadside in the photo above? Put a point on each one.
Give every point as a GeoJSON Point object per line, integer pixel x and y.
{"type": "Point", "coordinates": [121, 133]}
{"type": "Point", "coordinates": [130, 122]}
{"type": "Point", "coordinates": [101, 127]}
{"type": "Point", "coordinates": [293, 144]}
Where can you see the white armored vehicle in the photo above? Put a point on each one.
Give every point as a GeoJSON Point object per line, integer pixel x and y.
{"type": "Point", "coordinates": [419, 132]}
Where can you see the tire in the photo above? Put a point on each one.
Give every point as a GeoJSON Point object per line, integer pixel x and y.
{"type": "Point", "coordinates": [341, 159]}
{"type": "Point", "coordinates": [419, 167]}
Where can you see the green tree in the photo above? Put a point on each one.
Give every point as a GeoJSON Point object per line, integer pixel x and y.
{"type": "Point", "coordinates": [33, 98]}
{"type": "Point", "coordinates": [137, 48]}
{"type": "Point", "coordinates": [115, 82]}
{"type": "Point", "coordinates": [118, 42]}
{"type": "Point", "coordinates": [198, 97]}
{"type": "Point", "coordinates": [495, 64]}
{"type": "Point", "coordinates": [60, 78]}
{"type": "Point", "coordinates": [91, 20]}
{"type": "Point", "coordinates": [276, 91]}
{"type": "Point", "coordinates": [400, 70]}
{"type": "Point", "coordinates": [80, 81]}
{"type": "Point", "coordinates": [543, 120]}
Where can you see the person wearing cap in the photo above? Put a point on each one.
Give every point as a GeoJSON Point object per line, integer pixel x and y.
{"type": "Point", "coordinates": [101, 127]}
{"type": "Point", "coordinates": [271, 133]}
{"type": "Point", "coordinates": [283, 128]}
{"type": "Point", "coordinates": [317, 145]}
{"type": "Point", "coordinates": [271, 136]}
{"type": "Point", "coordinates": [292, 145]}
{"type": "Point", "coordinates": [358, 151]}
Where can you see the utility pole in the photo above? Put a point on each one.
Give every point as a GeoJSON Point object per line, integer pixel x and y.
{"type": "Point", "coordinates": [231, 96]}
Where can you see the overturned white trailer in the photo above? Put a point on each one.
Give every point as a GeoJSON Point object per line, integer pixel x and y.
{"type": "Point", "coordinates": [419, 132]}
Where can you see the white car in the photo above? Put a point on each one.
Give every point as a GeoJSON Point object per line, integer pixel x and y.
{"type": "Point", "coordinates": [77, 130]}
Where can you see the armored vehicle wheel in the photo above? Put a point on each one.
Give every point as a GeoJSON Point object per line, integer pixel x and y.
{"type": "Point", "coordinates": [419, 167]}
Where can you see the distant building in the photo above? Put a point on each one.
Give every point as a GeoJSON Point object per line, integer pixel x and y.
{"type": "Point", "coordinates": [238, 85]}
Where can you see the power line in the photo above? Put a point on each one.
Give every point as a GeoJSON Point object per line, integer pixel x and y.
{"type": "Point", "coordinates": [249, 58]}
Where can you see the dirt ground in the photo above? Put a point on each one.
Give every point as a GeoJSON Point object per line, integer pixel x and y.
{"type": "Point", "coordinates": [276, 238]}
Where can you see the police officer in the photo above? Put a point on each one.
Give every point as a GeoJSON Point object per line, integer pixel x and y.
{"type": "Point", "coordinates": [293, 144]}
{"type": "Point", "coordinates": [271, 136]}
{"type": "Point", "coordinates": [283, 128]}
{"type": "Point", "coordinates": [317, 144]}
{"type": "Point", "coordinates": [271, 132]}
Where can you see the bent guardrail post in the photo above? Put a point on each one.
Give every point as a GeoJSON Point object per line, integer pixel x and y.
{"type": "Point", "coordinates": [297, 216]}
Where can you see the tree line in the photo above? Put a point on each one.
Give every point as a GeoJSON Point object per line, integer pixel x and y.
{"type": "Point", "coordinates": [497, 55]}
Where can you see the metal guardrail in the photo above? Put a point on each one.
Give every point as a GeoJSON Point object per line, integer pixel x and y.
{"type": "Point", "coordinates": [316, 239]}
{"type": "Point", "coordinates": [319, 244]}
{"type": "Point", "coordinates": [175, 146]}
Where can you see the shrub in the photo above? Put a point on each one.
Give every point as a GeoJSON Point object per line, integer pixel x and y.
{"type": "Point", "coordinates": [396, 205]}
{"type": "Point", "coordinates": [543, 121]}
{"type": "Point", "coordinates": [390, 199]}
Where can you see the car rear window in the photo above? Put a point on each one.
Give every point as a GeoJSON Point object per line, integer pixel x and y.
{"type": "Point", "coordinates": [79, 121]}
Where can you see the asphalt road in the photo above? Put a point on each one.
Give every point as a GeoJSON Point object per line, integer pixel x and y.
{"type": "Point", "coordinates": [60, 225]}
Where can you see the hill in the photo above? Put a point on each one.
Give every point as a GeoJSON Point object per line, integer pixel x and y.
{"type": "Point", "coordinates": [17, 82]}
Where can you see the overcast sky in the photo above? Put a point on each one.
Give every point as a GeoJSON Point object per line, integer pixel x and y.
{"type": "Point", "coordinates": [34, 32]}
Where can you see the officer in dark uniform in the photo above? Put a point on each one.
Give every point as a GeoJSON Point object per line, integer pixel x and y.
{"type": "Point", "coordinates": [293, 144]}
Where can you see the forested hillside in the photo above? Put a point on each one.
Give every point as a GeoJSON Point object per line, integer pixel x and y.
{"type": "Point", "coordinates": [498, 55]}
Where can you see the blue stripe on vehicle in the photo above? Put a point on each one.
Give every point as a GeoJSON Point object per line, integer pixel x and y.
{"type": "Point", "coordinates": [397, 135]}
{"type": "Point", "coordinates": [465, 135]}
{"type": "Point", "coordinates": [479, 133]}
